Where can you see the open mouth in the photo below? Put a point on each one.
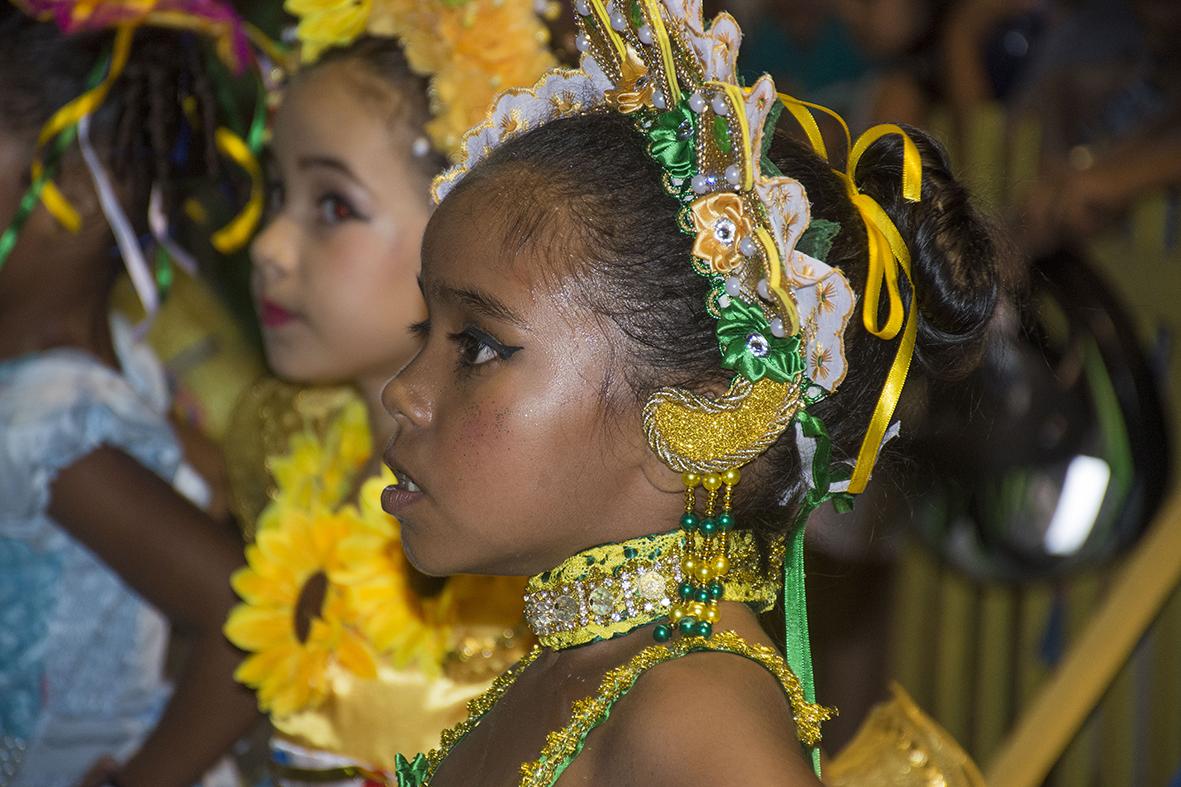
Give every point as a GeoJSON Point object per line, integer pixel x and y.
{"type": "Point", "coordinates": [399, 496]}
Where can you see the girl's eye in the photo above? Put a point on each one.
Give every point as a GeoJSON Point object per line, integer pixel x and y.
{"type": "Point", "coordinates": [334, 209]}
{"type": "Point", "coordinates": [477, 348]}
{"type": "Point", "coordinates": [275, 195]}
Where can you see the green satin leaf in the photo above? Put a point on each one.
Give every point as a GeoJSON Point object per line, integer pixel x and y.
{"type": "Point", "coordinates": [671, 141]}
{"type": "Point", "coordinates": [739, 325]}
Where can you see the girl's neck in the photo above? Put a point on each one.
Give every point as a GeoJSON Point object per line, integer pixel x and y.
{"type": "Point", "coordinates": [39, 324]}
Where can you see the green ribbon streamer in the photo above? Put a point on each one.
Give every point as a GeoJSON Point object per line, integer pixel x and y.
{"type": "Point", "coordinates": [797, 641]}
{"type": "Point", "coordinates": [32, 195]}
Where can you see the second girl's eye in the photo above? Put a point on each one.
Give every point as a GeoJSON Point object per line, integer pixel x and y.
{"type": "Point", "coordinates": [275, 195]}
{"type": "Point", "coordinates": [334, 209]}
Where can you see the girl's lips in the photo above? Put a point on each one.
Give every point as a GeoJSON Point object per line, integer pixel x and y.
{"type": "Point", "coordinates": [272, 315]}
{"type": "Point", "coordinates": [396, 499]}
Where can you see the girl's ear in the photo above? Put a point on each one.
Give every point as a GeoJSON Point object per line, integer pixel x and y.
{"type": "Point", "coordinates": [661, 476]}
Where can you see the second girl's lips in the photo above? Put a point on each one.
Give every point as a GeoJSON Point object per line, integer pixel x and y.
{"type": "Point", "coordinates": [272, 315]}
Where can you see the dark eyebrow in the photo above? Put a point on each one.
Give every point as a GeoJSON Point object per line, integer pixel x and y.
{"type": "Point", "coordinates": [480, 302]}
{"type": "Point", "coordinates": [327, 162]}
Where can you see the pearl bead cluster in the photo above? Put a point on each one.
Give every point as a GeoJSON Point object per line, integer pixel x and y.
{"type": "Point", "coordinates": [705, 565]}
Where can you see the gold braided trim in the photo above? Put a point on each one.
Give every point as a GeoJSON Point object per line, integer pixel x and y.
{"type": "Point", "coordinates": [477, 709]}
{"type": "Point", "coordinates": [693, 433]}
{"type": "Point", "coordinates": [610, 590]}
{"type": "Point", "coordinates": [588, 713]}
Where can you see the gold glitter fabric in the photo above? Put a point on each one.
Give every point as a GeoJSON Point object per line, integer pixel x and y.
{"type": "Point", "coordinates": [692, 433]}
{"type": "Point", "coordinates": [562, 745]}
{"type": "Point", "coordinates": [900, 746]}
{"type": "Point", "coordinates": [610, 590]}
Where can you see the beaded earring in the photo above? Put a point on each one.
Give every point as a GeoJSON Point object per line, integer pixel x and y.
{"type": "Point", "coordinates": [705, 564]}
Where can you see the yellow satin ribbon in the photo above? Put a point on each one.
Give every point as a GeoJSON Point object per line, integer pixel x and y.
{"type": "Point", "coordinates": [236, 234]}
{"type": "Point", "coordinates": [887, 255]}
{"type": "Point", "coordinates": [69, 115]}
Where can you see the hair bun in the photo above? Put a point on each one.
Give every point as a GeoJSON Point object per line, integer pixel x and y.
{"type": "Point", "coordinates": [953, 248]}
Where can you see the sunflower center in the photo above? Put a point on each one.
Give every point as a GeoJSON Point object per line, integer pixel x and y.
{"type": "Point", "coordinates": [310, 604]}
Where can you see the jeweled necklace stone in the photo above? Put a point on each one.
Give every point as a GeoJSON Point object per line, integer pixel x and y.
{"type": "Point", "coordinates": [611, 590]}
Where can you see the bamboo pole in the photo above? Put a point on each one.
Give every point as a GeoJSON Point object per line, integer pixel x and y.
{"type": "Point", "coordinates": [1045, 730]}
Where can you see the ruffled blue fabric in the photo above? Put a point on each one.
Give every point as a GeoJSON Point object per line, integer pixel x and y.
{"type": "Point", "coordinates": [81, 655]}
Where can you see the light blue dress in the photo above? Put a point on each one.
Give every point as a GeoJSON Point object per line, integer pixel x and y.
{"type": "Point", "coordinates": [81, 655]}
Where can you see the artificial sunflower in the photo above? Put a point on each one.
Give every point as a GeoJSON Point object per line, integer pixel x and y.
{"type": "Point", "coordinates": [319, 471]}
{"type": "Point", "coordinates": [292, 647]}
{"type": "Point", "coordinates": [377, 575]}
{"type": "Point", "coordinates": [327, 23]}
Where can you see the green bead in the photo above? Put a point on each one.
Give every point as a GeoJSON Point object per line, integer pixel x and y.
{"type": "Point", "coordinates": [662, 633]}
{"type": "Point", "coordinates": [685, 590]}
{"type": "Point", "coordinates": [716, 589]}
{"type": "Point", "coordinates": [703, 628]}
{"type": "Point", "coordinates": [725, 520]}
{"type": "Point", "coordinates": [688, 521]}
{"type": "Point", "coordinates": [709, 527]}
{"type": "Point", "coordinates": [688, 626]}
{"type": "Point", "coordinates": [702, 595]}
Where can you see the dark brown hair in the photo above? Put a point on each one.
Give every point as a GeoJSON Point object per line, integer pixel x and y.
{"type": "Point", "coordinates": [141, 129]}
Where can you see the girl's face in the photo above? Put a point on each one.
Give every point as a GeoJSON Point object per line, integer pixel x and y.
{"type": "Point", "coordinates": [335, 265]}
{"type": "Point", "coordinates": [503, 421]}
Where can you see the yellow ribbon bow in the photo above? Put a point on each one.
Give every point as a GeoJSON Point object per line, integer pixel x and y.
{"type": "Point", "coordinates": [888, 254]}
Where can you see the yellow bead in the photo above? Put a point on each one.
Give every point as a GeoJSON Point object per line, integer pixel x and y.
{"type": "Point", "coordinates": [697, 610]}
{"type": "Point", "coordinates": [720, 565]}
{"type": "Point", "coordinates": [732, 476]}
{"type": "Point", "coordinates": [711, 614]}
{"type": "Point", "coordinates": [676, 614]}
{"type": "Point", "coordinates": [689, 565]}
{"type": "Point", "coordinates": [712, 481]}
{"type": "Point", "coordinates": [690, 479]}
{"type": "Point", "coordinates": [704, 573]}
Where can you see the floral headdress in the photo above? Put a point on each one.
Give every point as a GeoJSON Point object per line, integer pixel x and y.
{"type": "Point", "coordinates": [781, 313]}
{"type": "Point", "coordinates": [470, 49]}
{"type": "Point", "coordinates": [213, 20]}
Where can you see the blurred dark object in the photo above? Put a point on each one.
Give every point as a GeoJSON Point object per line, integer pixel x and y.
{"type": "Point", "coordinates": [1058, 456]}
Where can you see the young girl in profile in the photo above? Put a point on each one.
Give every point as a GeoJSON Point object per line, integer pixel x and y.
{"type": "Point", "coordinates": [355, 656]}
{"type": "Point", "coordinates": [643, 367]}
{"type": "Point", "coordinates": [103, 542]}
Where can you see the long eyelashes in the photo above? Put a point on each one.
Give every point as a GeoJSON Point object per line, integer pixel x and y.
{"type": "Point", "coordinates": [476, 346]}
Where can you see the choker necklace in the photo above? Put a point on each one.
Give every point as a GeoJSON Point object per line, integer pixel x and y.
{"type": "Point", "coordinates": [610, 590]}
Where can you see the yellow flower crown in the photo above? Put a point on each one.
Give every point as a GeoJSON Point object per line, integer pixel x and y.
{"type": "Point", "coordinates": [469, 49]}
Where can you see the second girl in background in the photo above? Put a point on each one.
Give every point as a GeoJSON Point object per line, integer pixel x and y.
{"type": "Point", "coordinates": [355, 656]}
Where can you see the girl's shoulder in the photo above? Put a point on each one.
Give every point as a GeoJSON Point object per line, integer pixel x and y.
{"type": "Point", "coordinates": [716, 715]}
{"type": "Point", "coordinates": [58, 406]}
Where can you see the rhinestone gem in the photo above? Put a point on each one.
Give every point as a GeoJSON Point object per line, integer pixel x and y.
{"type": "Point", "coordinates": [725, 231]}
{"type": "Point", "coordinates": [601, 601]}
{"type": "Point", "coordinates": [757, 345]}
{"type": "Point", "coordinates": [652, 585]}
{"type": "Point", "coordinates": [543, 613]}
{"type": "Point", "coordinates": [565, 610]}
